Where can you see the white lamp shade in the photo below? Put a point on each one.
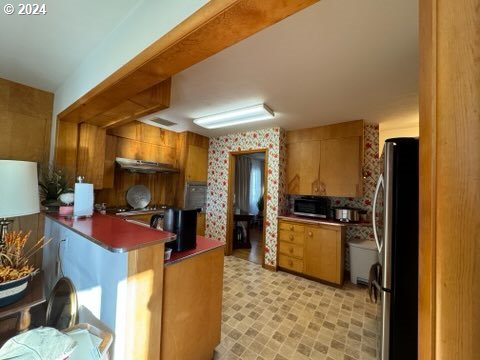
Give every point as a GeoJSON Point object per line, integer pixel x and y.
{"type": "Point", "coordinates": [18, 188]}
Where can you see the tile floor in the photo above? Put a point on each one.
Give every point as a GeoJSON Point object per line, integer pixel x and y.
{"type": "Point", "coordinates": [276, 315]}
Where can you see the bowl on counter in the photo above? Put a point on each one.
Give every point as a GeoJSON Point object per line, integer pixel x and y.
{"type": "Point", "coordinates": [347, 214]}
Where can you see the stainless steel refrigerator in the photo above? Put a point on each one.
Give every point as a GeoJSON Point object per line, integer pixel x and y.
{"type": "Point", "coordinates": [395, 225]}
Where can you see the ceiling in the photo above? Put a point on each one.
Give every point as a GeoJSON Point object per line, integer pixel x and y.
{"type": "Point", "coordinates": [43, 50]}
{"type": "Point", "coordinates": [337, 60]}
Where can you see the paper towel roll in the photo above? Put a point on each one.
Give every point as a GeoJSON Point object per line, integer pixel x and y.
{"type": "Point", "coordinates": [83, 200]}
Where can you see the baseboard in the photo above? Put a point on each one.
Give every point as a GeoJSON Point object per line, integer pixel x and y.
{"type": "Point", "coordinates": [270, 267]}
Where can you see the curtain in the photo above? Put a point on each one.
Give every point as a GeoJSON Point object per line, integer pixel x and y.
{"type": "Point", "coordinates": [243, 167]}
{"type": "Point", "coordinates": [256, 185]}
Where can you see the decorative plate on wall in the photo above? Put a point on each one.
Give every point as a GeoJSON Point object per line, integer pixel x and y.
{"type": "Point", "coordinates": [138, 196]}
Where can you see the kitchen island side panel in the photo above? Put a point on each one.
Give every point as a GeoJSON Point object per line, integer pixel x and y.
{"type": "Point", "coordinates": [99, 277]}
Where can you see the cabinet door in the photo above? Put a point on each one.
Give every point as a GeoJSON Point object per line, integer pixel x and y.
{"type": "Point", "coordinates": [322, 253]}
{"type": "Point", "coordinates": [303, 164]}
{"type": "Point", "coordinates": [197, 164]}
{"type": "Point", "coordinates": [91, 154]}
{"type": "Point", "coordinates": [341, 166]}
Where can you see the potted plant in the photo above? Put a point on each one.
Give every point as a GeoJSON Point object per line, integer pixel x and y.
{"type": "Point", "coordinates": [53, 182]}
{"type": "Point", "coordinates": [15, 267]}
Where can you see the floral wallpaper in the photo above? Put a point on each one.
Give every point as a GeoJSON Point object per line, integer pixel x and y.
{"type": "Point", "coordinates": [278, 202]}
{"type": "Point", "coordinates": [274, 140]}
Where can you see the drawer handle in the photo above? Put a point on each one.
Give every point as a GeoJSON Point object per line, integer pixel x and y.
{"type": "Point", "coordinates": [291, 237]}
{"type": "Point", "coordinates": [291, 228]}
{"type": "Point", "coordinates": [310, 234]}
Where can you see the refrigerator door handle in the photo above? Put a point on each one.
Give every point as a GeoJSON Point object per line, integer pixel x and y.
{"type": "Point", "coordinates": [374, 220]}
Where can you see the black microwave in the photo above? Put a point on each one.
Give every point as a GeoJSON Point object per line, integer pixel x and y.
{"type": "Point", "coordinates": [312, 206]}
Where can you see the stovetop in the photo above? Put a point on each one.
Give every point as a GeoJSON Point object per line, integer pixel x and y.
{"type": "Point", "coordinates": [125, 210]}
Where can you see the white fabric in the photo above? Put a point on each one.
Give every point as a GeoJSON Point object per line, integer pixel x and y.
{"type": "Point", "coordinates": [43, 343]}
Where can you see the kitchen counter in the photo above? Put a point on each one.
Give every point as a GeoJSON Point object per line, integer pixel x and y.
{"type": "Point", "coordinates": [121, 279]}
{"type": "Point", "coordinates": [314, 221]}
{"type": "Point", "coordinates": [204, 244]}
{"type": "Point", "coordinates": [114, 233]}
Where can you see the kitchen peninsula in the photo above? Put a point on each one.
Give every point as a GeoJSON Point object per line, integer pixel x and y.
{"type": "Point", "coordinates": [121, 279]}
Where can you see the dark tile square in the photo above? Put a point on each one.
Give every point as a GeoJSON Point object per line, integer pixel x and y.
{"type": "Point", "coordinates": [235, 334]}
{"type": "Point", "coordinates": [337, 345]}
{"type": "Point", "coordinates": [342, 323]}
{"type": "Point", "coordinates": [238, 349]}
{"type": "Point", "coordinates": [238, 317]}
{"type": "Point", "coordinates": [292, 317]}
{"type": "Point", "coordinates": [295, 335]}
{"type": "Point", "coordinates": [279, 337]}
{"type": "Point", "coordinates": [354, 336]}
{"type": "Point", "coordinates": [314, 326]}
{"type": "Point", "coordinates": [304, 349]}
{"type": "Point", "coordinates": [321, 348]}
{"type": "Point", "coordinates": [329, 325]}
{"type": "Point", "coordinates": [254, 315]}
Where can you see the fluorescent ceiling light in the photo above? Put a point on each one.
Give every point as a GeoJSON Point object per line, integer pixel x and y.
{"type": "Point", "coordinates": [236, 117]}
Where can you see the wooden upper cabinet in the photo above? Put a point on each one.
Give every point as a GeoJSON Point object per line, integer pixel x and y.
{"type": "Point", "coordinates": [197, 163]}
{"type": "Point", "coordinates": [341, 166]}
{"type": "Point", "coordinates": [109, 166]}
{"type": "Point", "coordinates": [326, 160]}
{"type": "Point", "coordinates": [303, 167]}
{"type": "Point", "coordinates": [91, 154]}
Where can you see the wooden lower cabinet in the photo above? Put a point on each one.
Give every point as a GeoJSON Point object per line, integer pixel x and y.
{"type": "Point", "coordinates": [313, 250]}
{"type": "Point", "coordinates": [192, 307]}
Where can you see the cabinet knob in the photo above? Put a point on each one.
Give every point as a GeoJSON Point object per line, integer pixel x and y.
{"type": "Point", "coordinates": [315, 189]}
{"type": "Point", "coordinates": [291, 250]}
{"type": "Point", "coordinates": [290, 263]}
{"type": "Point", "coordinates": [291, 237]}
{"type": "Point", "coordinates": [310, 234]}
{"type": "Point", "coordinates": [291, 227]}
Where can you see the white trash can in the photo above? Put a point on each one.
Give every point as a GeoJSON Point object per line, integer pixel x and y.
{"type": "Point", "coordinates": [363, 254]}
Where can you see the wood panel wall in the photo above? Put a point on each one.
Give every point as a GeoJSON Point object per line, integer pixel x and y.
{"type": "Point", "coordinates": [449, 306]}
{"type": "Point", "coordinates": [25, 121]}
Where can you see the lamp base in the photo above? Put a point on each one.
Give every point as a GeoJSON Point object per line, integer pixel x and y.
{"type": "Point", "coordinates": [4, 228]}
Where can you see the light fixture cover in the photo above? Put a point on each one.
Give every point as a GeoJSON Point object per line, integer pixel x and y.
{"type": "Point", "coordinates": [236, 117]}
{"type": "Point", "coordinates": [19, 189]}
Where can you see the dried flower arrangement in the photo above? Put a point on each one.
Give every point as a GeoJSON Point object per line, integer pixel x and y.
{"type": "Point", "coordinates": [14, 264]}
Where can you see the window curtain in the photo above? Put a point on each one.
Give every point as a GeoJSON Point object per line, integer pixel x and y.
{"type": "Point", "coordinates": [243, 167]}
{"type": "Point", "coordinates": [256, 185]}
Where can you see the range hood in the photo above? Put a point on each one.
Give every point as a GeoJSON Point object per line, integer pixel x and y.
{"type": "Point", "coordinates": [145, 167]}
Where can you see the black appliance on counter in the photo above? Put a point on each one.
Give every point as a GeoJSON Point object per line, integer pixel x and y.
{"type": "Point", "coordinates": [312, 206]}
{"type": "Point", "coordinates": [183, 223]}
{"type": "Point", "coordinates": [396, 235]}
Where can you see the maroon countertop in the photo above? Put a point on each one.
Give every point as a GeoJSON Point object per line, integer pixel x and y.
{"type": "Point", "coordinates": [114, 233]}
{"type": "Point", "coordinates": [203, 244]}
{"type": "Point", "coordinates": [309, 220]}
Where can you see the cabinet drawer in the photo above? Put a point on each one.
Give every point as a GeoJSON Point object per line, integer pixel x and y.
{"type": "Point", "coordinates": [291, 227]}
{"type": "Point", "coordinates": [292, 237]}
{"type": "Point", "coordinates": [291, 250]}
{"type": "Point", "coordinates": [290, 263]}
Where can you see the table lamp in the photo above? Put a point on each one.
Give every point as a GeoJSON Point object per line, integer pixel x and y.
{"type": "Point", "coordinates": [18, 191]}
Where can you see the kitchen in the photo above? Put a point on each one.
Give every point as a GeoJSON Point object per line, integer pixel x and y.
{"type": "Point", "coordinates": [91, 150]}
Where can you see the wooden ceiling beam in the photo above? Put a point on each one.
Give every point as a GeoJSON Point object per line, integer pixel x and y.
{"type": "Point", "coordinates": [216, 26]}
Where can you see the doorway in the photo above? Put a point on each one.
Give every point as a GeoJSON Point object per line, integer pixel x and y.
{"type": "Point", "coordinates": [247, 191]}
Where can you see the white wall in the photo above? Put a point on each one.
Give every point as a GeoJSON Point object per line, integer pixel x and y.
{"type": "Point", "coordinates": [146, 23]}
